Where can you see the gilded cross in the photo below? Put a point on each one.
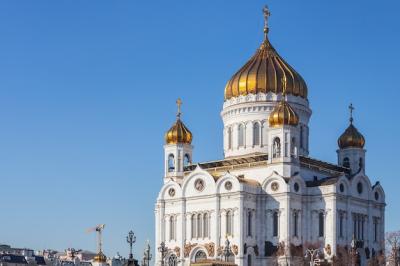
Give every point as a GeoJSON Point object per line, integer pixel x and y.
{"type": "Point", "coordinates": [266, 16]}
{"type": "Point", "coordinates": [351, 108]}
{"type": "Point", "coordinates": [178, 104]}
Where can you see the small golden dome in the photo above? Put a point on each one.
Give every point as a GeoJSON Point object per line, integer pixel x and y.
{"type": "Point", "coordinates": [283, 114]}
{"type": "Point", "coordinates": [100, 257]}
{"type": "Point", "coordinates": [178, 133]}
{"type": "Point", "coordinates": [351, 138]}
{"type": "Point", "coordinates": [264, 72]}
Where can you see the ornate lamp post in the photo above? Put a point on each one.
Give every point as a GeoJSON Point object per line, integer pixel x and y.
{"type": "Point", "coordinates": [146, 255]}
{"type": "Point", "coordinates": [131, 239]}
{"type": "Point", "coordinates": [227, 252]}
{"type": "Point", "coordinates": [163, 250]}
{"type": "Point", "coordinates": [313, 253]}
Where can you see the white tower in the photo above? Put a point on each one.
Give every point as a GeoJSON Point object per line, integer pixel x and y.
{"type": "Point", "coordinates": [177, 148]}
{"type": "Point", "coordinates": [351, 152]}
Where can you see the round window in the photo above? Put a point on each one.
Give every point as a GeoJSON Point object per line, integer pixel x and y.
{"type": "Point", "coordinates": [359, 188]}
{"type": "Point", "coordinates": [296, 187]}
{"type": "Point", "coordinates": [171, 192]}
{"type": "Point", "coordinates": [274, 186]}
{"type": "Point", "coordinates": [341, 187]}
{"type": "Point", "coordinates": [228, 185]}
{"type": "Point", "coordinates": [199, 184]}
{"type": "Point", "coordinates": [376, 195]}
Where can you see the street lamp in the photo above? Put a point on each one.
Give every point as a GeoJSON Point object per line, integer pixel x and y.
{"type": "Point", "coordinates": [146, 255]}
{"type": "Point", "coordinates": [131, 239]}
{"type": "Point", "coordinates": [313, 253]}
{"type": "Point", "coordinates": [163, 250]}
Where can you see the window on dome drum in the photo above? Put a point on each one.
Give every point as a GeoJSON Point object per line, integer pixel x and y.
{"type": "Point", "coordinates": [301, 137]}
{"type": "Point", "coordinates": [346, 162]}
{"type": "Point", "coordinates": [256, 134]}
{"type": "Point", "coordinates": [275, 221]}
{"type": "Point", "coordinates": [293, 147]}
{"type": "Point", "coordinates": [186, 160]}
{"type": "Point", "coordinates": [249, 260]}
{"type": "Point", "coordinates": [249, 223]}
{"type": "Point", "coordinates": [320, 224]}
{"type": "Point", "coordinates": [172, 260]}
{"type": "Point", "coordinates": [172, 228]}
{"type": "Point", "coordinates": [229, 223]}
{"type": "Point", "coordinates": [229, 138]}
{"type": "Point", "coordinates": [171, 163]}
{"type": "Point", "coordinates": [200, 256]}
{"type": "Point", "coordinates": [241, 135]}
{"type": "Point", "coordinates": [361, 163]}
{"type": "Point", "coordinates": [276, 149]}
{"type": "Point", "coordinates": [295, 223]}
{"type": "Point", "coordinates": [286, 145]}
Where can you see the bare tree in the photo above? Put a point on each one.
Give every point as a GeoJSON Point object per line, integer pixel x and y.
{"type": "Point", "coordinates": [392, 247]}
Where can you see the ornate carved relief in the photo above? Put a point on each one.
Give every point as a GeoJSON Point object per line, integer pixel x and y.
{"type": "Point", "coordinates": [210, 247]}
{"type": "Point", "coordinates": [187, 248]}
{"type": "Point", "coordinates": [235, 249]}
{"type": "Point", "coordinates": [177, 251]}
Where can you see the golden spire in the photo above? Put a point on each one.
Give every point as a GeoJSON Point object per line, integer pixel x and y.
{"type": "Point", "coordinates": [179, 104]}
{"type": "Point", "coordinates": [266, 16]}
{"type": "Point", "coordinates": [351, 109]}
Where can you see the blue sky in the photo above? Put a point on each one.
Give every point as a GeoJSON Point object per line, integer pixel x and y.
{"type": "Point", "coordinates": [88, 88]}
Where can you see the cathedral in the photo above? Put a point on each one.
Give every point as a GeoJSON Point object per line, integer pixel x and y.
{"type": "Point", "coordinates": [267, 202]}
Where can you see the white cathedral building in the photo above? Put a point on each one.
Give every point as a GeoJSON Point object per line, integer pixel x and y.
{"type": "Point", "coordinates": [267, 196]}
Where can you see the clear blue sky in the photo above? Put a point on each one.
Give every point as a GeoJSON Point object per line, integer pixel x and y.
{"type": "Point", "coordinates": [88, 88]}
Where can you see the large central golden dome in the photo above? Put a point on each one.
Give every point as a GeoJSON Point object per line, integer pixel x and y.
{"type": "Point", "coordinates": [264, 73]}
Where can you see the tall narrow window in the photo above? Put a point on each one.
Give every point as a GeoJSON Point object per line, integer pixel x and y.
{"type": "Point", "coordinates": [249, 260]}
{"type": "Point", "coordinates": [256, 134]}
{"type": "Point", "coordinates": [229, 223]}
{"type": "Point", "coordinates": [186, 160]}
{"type": "Point", "coordinates": [229, 138]}
{"type": "Point", "coordinates": [293, 147]}
{"type": "Point", "coordinates": [346, 162]}
{"type": "Point", "coordinates": [249, 223]}
{"type": "Point", "coordinates": [199, 227]}
{"type": "Point", "coordinates": [286, 148]}
{"type": "Point", "coordinates": [171, 228]}
{"type": "Point", "coordinates": [194, 222]}
{"type": "Point", "coordinates": [205, 225]}
{"type": "Point", "coordinates": [295, 224]}
{"type": "Point", "coordinates": [241, 135]}
{"type": "Point", "coordinates": [321, 224]}
{"type": "Point", "coordinates": [375, 229]}
{"type": "Point", "coordinates": [171, 163]}
{"type": "Point", "coordinates": [341, 225]}
{"type": "Point", "coordinates": [275, 224]}
{"type": "Point", "coordinates": [276, 149]}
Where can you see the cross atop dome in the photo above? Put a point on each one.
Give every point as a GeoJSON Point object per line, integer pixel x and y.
{"type": "Point", "coordinates": [179, 104]}
{"type": "Point", "coordinates": [351, 109]}
{"type": "Point", "coordinates": [266, 13]}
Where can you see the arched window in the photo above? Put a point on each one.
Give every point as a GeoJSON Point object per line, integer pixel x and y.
{"type": "Point", "coordinates": [199, 227]}
{"type": "Point", "coordinates": [171, 163]}
{"type": "Point", "coordinates": [293, 147]}
{"type": "Point", "coordinates": [321, 224]}
{"type": "Point", "coordinates": [194, 230]}
{"type": "Point", "coordinates": [172, 260]}
{"type": "Point", "coordinates": [275, 221]}
{"type": "Point", "coordinates": [241, 135]}
{"type": "Point", "coordinates": [249, 260]}
{"type": "Point", "coordinates": [276, 149]}
{"type": "Point", "coordinates": [186, 160]}
{"type": "Point", "coordinates": [229, 223]}
{"type": "Point", "coordinates": [205, 225]}
{"type": "Point", "coordinates": [172, 228]}
{"type": "Point", "coordinates": [249, 223]}
{"type": "Point", "coordinates": [295, 223]}
{"type": "Point", "coordinates": [346, 162]}
{"type": "Point", "coordinates": [361, 163]}
{"type": "Point", "coordinates": [256, 134]}
{"type": "Point", "coordinates": [229, 138]}
{"type": "Point", "coordinates": [200, 256]}
{"type": "Point", "coordinates": [301, 137]}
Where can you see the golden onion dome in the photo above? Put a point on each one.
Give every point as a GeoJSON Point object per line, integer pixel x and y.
{"type": "Point", "coordinates": [283, 113]}
{"type": "Point", "coordinates": [264, 72]}
{"type": "Point", "coordinates": [351, 138]}
{"type": "Point", "coordinates": [100, 257]}
{"type": "Point", "coordinates": [178, 133]}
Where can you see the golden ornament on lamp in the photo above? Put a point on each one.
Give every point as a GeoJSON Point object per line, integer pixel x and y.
{"type": "Point", "coordinates": [264, 72]}
{"type": "Point", "coordinates": [178, 133]}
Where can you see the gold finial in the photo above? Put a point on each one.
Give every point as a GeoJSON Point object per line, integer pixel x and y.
{"type": "Point", "coordinates": [266, 16]}
{"type": "Point", "coordinates": [351, 108]}
{"type": "Point", "coordinates": [178, 104]}
{"type": "Point", "coordinates": [284, 86]}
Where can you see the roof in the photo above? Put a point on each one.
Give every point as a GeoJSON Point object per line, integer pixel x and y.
{"type": "Point", "coordinates": [10, 258]}
{"type": "Point", "coordinates": [213, 263]}
{"type": "Point", "coordinates": [322, 182]}
{"type": "Point", "coordinates": [40, 260]}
